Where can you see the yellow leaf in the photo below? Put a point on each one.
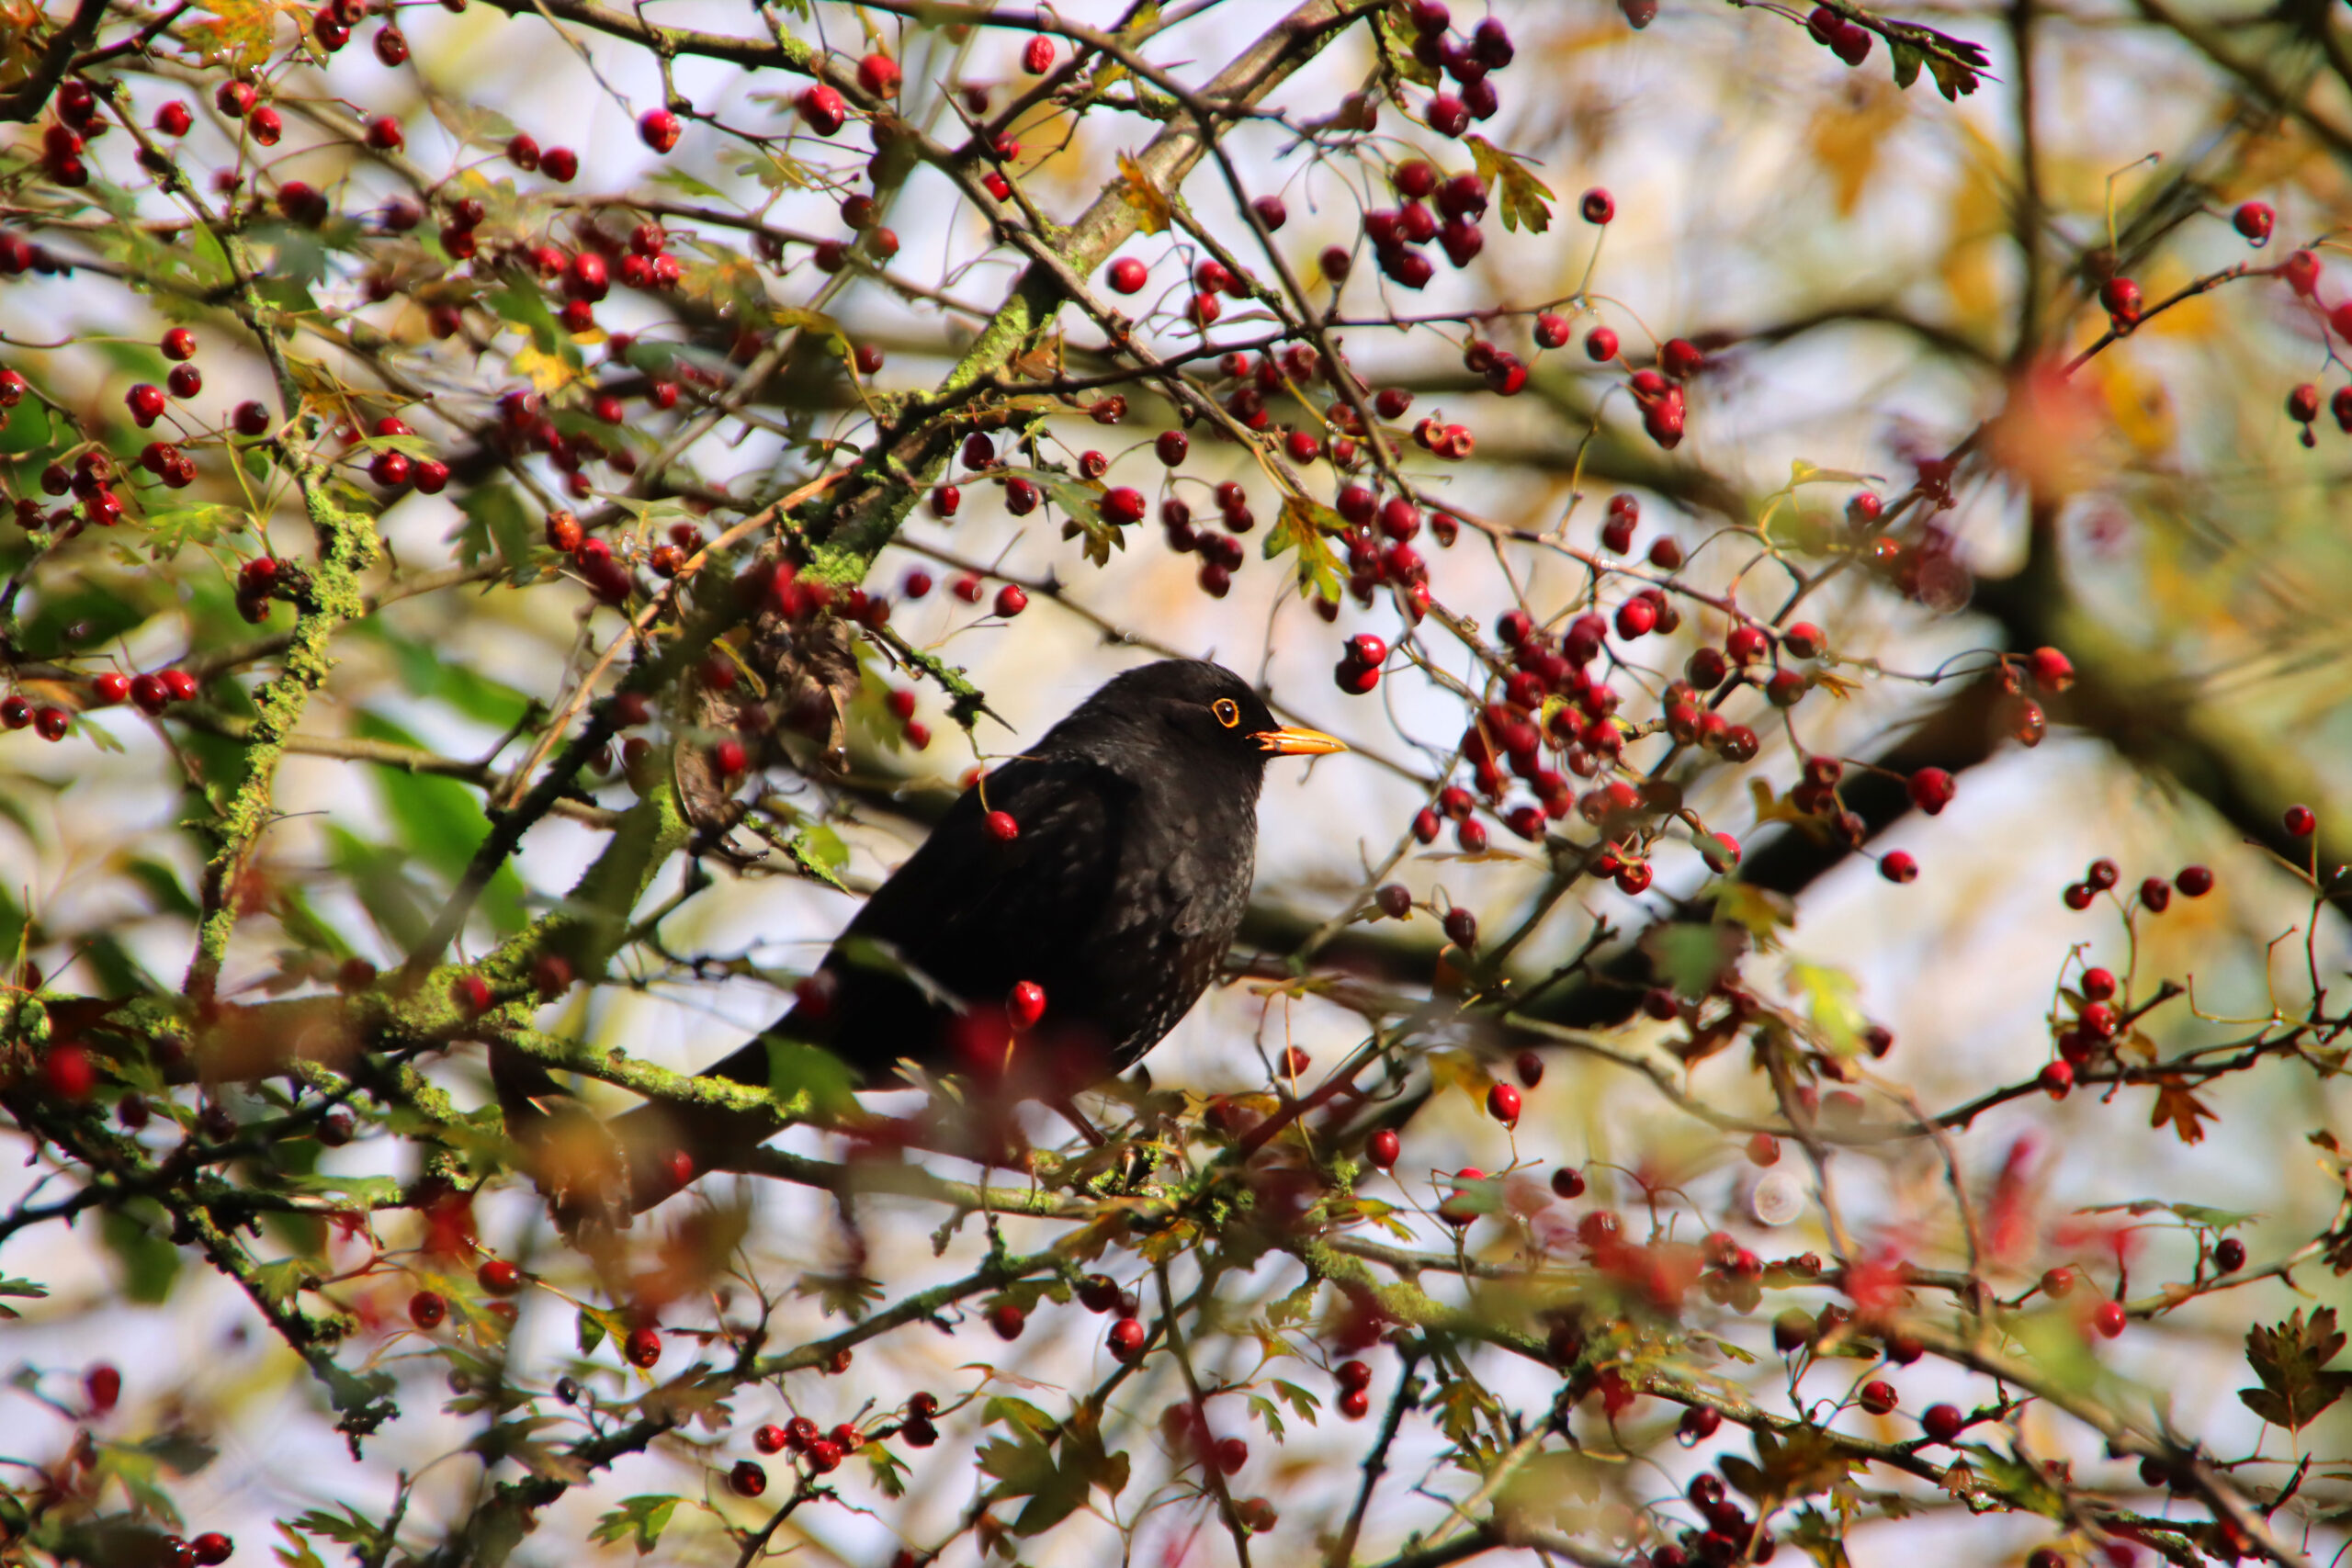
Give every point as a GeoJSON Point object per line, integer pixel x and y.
{"type": "Point", "coordinates": [549, 372]}
{"type": "Point", "coordinates": [1837, 685]}
{"type": "Point", "coordinates": [1152, 212]}
{"type": "Point", "coordinates": [1846, 136]}
{"type": "Point", "coordinates": [1460, 1069]}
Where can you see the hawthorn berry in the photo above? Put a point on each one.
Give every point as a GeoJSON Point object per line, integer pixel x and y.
{"type": "Point", "coordinates": [1503, 1104]}
{"type": "Point", "coordinates": [2110, 1319]}
{"type": "Point", "coordinates": [1878, 1396]}
{"type": "Point", "coordinates": [1596, 206]}
{"type": "Point", "coordinates": [1897, 866]}
{"type": "Point", "coordinates": [748, 1478]}
{"type": "Point", "coordinates": [1460, 925]}
{"type": "Point", "coordinates": [2056, 1078]}
{"type": "Point", "coordinates": [211, 1549]}
{"type": "Point", "coordinates": [1931, 789]}
{"type": "Point", "coordinates": [2229, 1255]}
{"type": "Point", "coordinates": [1944, 1422]}
{"type": "Point", "coordinates": [1007, 1320]}
{"type": "Point", "coordinates": [2194, 881]}
{"type": "Point", "coordinates": [824, 1457]}
{"type": "Point", "coordinates": [1010, 600]}
{"type": "Point", "coordinates": [2254, 220]}
{"type": "Point", "coordinates": [1025, 1004]}
{"type": "Point", "coordinates": [1384, 1147]}
{"type": "Point", "coordinates": [658, 128]}
{"type": "Point", "coordinates": [642, 1349]}
{"type": "Point", "coordinates": [2300, 821]}
{"type": "Point", "coordinates": [428, 1310]}
{"type": "Point", "coordinates": [1125, 1338]}
{"type": "Point", "coordinates": [821, 108]}
{"type": "Point", "coordinates": [878, 75]}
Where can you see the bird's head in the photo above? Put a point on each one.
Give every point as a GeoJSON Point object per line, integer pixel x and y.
{"type": "Point", "coordinates": [1215, 712]}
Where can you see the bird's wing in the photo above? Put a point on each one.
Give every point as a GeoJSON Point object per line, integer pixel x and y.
{"type": "Point", "coordinates": [969, 913]}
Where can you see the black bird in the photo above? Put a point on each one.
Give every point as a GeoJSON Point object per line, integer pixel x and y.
{"type": "Point", "coordinates": [1108, 865]}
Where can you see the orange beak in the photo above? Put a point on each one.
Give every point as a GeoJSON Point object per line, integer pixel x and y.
{"type": "Point", "coordinates": [1299, 741]}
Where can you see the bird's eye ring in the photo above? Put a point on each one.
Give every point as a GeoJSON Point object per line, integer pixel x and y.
{"type": "Point", "coordinates": [1227, 710]}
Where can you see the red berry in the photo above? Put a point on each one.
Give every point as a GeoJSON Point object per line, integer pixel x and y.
{"type": "Point", "coordinates": [1600, 345]}
{"type": "Point", "coordinates": [1382, 1149]}
{"type": "Point", "coordinates": [1898, 867]}
{"type": "Point", "coordinates": [1529, 1066]}
{"type": "Point", "coordinates": [174, 118]}
{"type": "Point", "coordinates": [880, 76]}
{"type": "Point", "coordinates": [211, 1549]}
{"type": "Point", "coordinates": [2194, 881]}
{"type": "Point", "coordinates": [2053, 671]}
{"type": "Point", "coordinates": [1764, 1149]}
{"type": "Point", "coordinates": [1568, 1182]}
{"type": "Point", "coordinates": [1271, 211]}
{"type": "Point", "coordinates": [1025, 1004]}
{"type": "Point", "coordinates": [2110, 1319]}
{"type": "Point", "coordinates": [428, 1310]}
{"type": "Point", "coordinates": [769, 1439]}
{"type": "Point", "coordinates": [2300, 821]}
{"type": "Point", "coordinates": [2057, 1079]}
{"type": "Point", "coordinates": [1596, 206]}
{"type": "Point", "coordinates": [2119, 297]}
{"type": "Point", "coordinates": [103, 1384]}
{"type": "Point", "coordinates": [2254, 220]}
{"type": "Point", "coordinates": [748, 1478]}
{"type": "Point", "coordinates": [1232, 1453]}
{"type": "Point", "coordinates": [499, 1277]}
{"type": "Point", "coordinates": [1010, 600]}
{"type": "Point", "coordinates": [1503, 1104]}
{"type": "Point", "coordinates": [1354, 1405]}
{"type": "Point", "coordinates": [2229, 1255]}
{"type": "Point", "coordinates": [821, 108]}
{"type": "Point", "coordinates": [1931, 790]}
{"type": "Point", "coordinates": [560, 164]}
{"type": "Point", "coordinates": [1125, 1338]}
{"type": "Point", "coordinates": [1007, 1320]}
{"type": "Point", "coordinates": [178, 344]}
{"type": "Point", "coordinates": [145, 402]}
{"type": "Point", "coordinates": [1001, 827]}
{"type": "Point", "coordinates": [1944, 1422]}
{"type": "Point", "coordinates": [1878, 1396]}
{"type": "Point", "coordinates": [824, 1456]}
{"type": "Point", "coordinates": [1037, 55]}
{"type": "Point", "coordinates": [658, 128]}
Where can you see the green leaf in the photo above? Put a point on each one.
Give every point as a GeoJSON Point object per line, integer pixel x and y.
{"type": "Point", "coordinates": [1690, 958]}
{"type": "Point", "coordinates": [295, 1552]}
{"type": "Point", "coordinates": [527, 309]}
{"type": "Point", "coordinates": [1828, 998]}
{"type": "Point", "coordinates": [495, 518]}
{"type": "Point", "coordinates": [1307, 527]}
{"type": "Point", "coordinates": [1907, 61]}
{"type": "Point", "coordinates": [440, 822]}
{"type": "Point", "coordinates": [2292, 1361]}
{"type": "Point", "coordinates": [840, 1295]}
{"type": "Point", "coordinates": [679, 180]}
{"type": "Point", "coordinates": [809, 1080]}
{"type": "Point", "coordinates": [150, 1263]}
{"type": "Point", "coordinates": [1525, 198]}
{"type": "Point", "coordinates": [1395, 26]}
{"type": "Point", "coordinates": [820, 851]}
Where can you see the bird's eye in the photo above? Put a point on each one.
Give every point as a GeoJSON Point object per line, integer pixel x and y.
{"type": "Point", "coordinates": [1227, 710]}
